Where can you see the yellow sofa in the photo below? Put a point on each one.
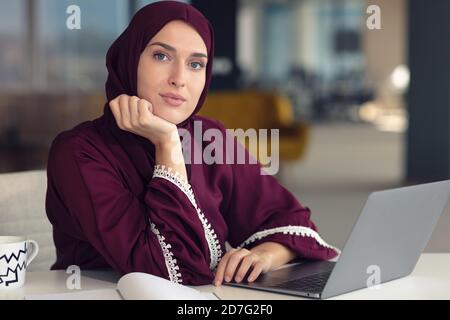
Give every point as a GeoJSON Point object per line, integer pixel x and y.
{"type": "Point", "coordinates": [259, 110]}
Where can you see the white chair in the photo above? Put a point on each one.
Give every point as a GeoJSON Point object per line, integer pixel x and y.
{"type": "Point", "coordinates": [22, 213]}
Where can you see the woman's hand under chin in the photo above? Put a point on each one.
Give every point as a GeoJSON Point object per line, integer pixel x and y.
{"type": "Point", "coordinates": [136, 115]}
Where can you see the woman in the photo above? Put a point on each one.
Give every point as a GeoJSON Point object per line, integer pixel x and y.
{"type": "Point", "coordinates": [120, 194]}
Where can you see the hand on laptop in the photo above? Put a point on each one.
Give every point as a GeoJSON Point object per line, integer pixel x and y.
{"type": "Point", "coordinates": [237, 262]}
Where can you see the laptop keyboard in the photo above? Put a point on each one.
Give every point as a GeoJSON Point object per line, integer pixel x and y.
{"type": "Point", "coordinates": [312, 283]}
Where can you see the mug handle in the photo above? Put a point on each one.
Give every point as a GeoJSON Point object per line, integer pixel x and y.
{"type": "Point", "coordinates": [34, 251]}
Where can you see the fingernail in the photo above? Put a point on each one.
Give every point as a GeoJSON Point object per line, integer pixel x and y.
{"type": "Point", "coordinates": [217, 283]}
{"type": "Point", "coordinates": [227, 279]}
{"type": "Point", "coordinates": [238, 279]}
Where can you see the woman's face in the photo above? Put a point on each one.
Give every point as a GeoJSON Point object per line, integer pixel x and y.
{"type": "Point", "coordinates": [174, 62]}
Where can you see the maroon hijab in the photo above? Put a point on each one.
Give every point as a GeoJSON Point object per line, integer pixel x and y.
{"type": "Point", "coordinates": [122, 62]}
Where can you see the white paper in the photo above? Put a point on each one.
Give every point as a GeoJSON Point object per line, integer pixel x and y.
{"type": "Point", "coordinates": [144, 286]}
{"type": "Point", "coordinates": [133, 286]}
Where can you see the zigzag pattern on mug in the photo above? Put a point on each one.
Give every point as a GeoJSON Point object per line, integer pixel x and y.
{"type": "Point", "coordinates": [18, 267]}
{"type": "Point", "coordinates": [8, 259]}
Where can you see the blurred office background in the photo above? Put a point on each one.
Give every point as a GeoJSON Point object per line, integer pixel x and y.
{"type": "Point", "coordinates": [372, 105]}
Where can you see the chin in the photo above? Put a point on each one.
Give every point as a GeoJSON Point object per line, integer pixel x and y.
{"type": "Point", "coordinates": [168, 117]}
{"type": "Point", "coordinates": [174, 121]}
{"type": "Point", "coordinates": [173, 115]}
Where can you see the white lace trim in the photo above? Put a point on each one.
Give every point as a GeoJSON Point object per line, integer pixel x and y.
{"type": "Point", "coordinates": [210, 235]}
{"type": "Point", "coordinates": [171, 262]}
{"type": "Point", "coordinates": [297, 230]}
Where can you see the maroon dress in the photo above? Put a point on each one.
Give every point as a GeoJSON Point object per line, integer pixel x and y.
{"type": "Point", "coordinates": [111, 206]}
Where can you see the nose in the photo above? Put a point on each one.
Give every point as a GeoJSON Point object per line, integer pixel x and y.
{"type": "Point", "coordinates": [177, 78]}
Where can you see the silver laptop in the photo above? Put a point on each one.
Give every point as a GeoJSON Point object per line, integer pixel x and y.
{"type": "Point", "coordinates": [385, 244]}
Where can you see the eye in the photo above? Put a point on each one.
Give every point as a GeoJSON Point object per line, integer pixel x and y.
{"type": "Point", "coordinates": [159, 56]}
{"type": "Point", "coordinates": [197, 65]}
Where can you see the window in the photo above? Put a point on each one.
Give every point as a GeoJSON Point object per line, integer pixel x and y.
{"type": "Point", "coordinates": [75, 58]}
{"type": "Point", "coordinates": [13, 66]}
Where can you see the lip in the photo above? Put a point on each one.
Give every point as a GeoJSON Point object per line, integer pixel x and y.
{"type": "Point", "coordinates": [173, 99]}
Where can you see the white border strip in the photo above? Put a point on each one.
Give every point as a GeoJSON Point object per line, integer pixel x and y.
{"type": "Point", "coordinates": [173, 176]}
{"type": "Point", "coordinates": [292, 230]}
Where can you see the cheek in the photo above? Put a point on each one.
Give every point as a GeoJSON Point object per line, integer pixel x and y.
{"type": "Point", "coordinates": [198, 88]}
{"type": "Point", "coordinates": [147, 76]}
{"type": "Point", "coordinates": [142, 85]}
{"type": "Point", "coordinates": [148, 84]}
{"type": "Point", "coordinates": [199, 82]}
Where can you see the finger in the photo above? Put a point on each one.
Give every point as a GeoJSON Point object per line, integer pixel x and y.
{"type": "Point", "coordinates": [143, 110]}
{"type": "Point", "coordinates": [123, 109]}
{"type": "Point", "coordinates": [134, 113]}
{"type": "Point", "coordinates": [246, 263]}
{"type": "Point", "coordinates": [125, 104]}
{"type": "Point", "coordinates": [150, 106]}
{"type": "Point", "coordinates": [257, 268]}
{"type": "Point", "coordinates": [233, 263]}
{"type": "Point", "coordinates": [221, 267]}
{"type": "Point", "coordinates": [114, 105]}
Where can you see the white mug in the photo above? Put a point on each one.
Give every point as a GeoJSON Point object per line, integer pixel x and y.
{"type": "Point", "coordinates": [16, 253]}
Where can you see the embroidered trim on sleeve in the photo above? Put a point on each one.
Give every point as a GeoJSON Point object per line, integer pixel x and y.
{"type": "Point", "coordinates": [171, 262]}
{"type": "Point", "coordinates": [297, 230]}
{"type": "Point", "coordinates": [210, 235]}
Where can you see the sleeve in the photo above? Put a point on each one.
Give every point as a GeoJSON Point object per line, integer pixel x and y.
{"type": "Point", "coordinates": [160, 233]}
{"type": "Point", "coordinates": [259, 209]}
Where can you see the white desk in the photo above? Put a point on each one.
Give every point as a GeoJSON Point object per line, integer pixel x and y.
{"type": "Point", "coordinates": [429, 280]}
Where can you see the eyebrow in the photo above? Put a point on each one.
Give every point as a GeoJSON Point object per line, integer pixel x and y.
{"type": "Point", "coordinates": [170, 48]}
